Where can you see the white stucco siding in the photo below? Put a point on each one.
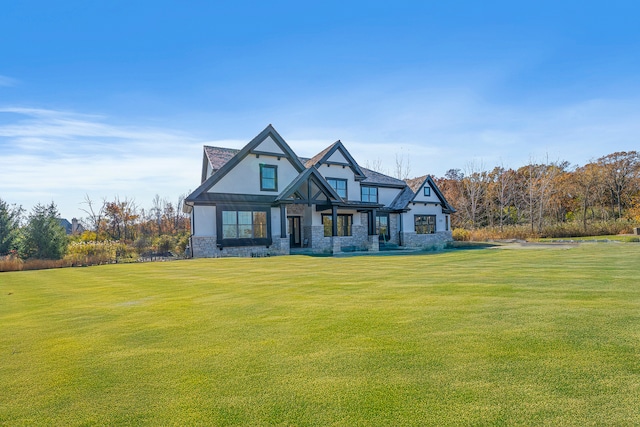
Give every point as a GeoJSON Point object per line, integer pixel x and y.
{"type": "Point", "coordinates": [337, 157]}
{"type": "Point", "coordinates": [387, 195]}
{"type": "Point", "coordinates": [353, 186]}
{"type": "Point", "coordinates": [245, 177]}
{"type": "Point", "coordinates": [275, 223]}
{"type": "Point", "coordinates": [408, 217]}
{"type": "Point", "coordinates": [431, 198]}
{"type": "Point", "coordinates": [204, 220]}
{"type": "Point", "coordinates": [269, 146]}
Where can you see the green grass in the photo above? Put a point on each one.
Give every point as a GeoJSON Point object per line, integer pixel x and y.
{"type": "Point", "coordinates": [480, 337]}
{"type": "Point", "coordinates": [624, 238]}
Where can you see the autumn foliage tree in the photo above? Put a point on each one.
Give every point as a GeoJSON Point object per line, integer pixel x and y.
{"type": "Point", "coordinates": [547, 195]}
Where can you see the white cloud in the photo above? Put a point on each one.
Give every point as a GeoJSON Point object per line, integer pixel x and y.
{"type": "Point", "coordinates": [61, 156]}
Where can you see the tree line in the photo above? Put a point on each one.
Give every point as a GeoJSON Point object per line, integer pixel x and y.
{"type": "Point", "coordinates": [112, 230]}
{"type": "Point", "coordinates": [548, 198]}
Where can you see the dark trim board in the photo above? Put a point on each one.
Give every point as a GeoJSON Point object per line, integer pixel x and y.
{"type": "Point", "coordinates": [232, 243]}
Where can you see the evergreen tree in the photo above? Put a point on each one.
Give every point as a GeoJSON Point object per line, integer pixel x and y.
{"type": "Point", "coordinates": [43, 237]}
{"type": "Point", "coordinates": [9, 223]}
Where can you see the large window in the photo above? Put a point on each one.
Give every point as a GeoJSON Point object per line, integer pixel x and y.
{"type": "Point", "coordinates": [268, 178]}
{"type": "Point", "coordinates": [340, 185]}
{"type": "Point", "coordinates": [382, 227]}
{"type": "Point", "coordinates": [425, 224]}
{"type": "Point", "coordinates": [369, 194]}
{"type": "Point", "coordinates": [344, 225]}
{"type": "Point", "coordinates": [244, 225]}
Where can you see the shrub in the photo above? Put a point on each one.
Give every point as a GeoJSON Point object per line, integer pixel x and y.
{"type": "Point", "coordinates": [461, 235]}
{"type": "Point", "coordinates": [95, 253]}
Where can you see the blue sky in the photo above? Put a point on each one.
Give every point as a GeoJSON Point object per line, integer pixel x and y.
{"type": "Point", "coordinates": [115, 98]}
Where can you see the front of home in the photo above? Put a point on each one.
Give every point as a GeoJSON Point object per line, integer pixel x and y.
{"type": "Point", "coordinates": [265, 200]}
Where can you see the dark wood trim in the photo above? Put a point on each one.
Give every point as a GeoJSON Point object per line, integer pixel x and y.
{"type": "Point", "coordinates": [334, 221]}
{"type": "Point", "coordinates": [283, 221]}
{"type": "Point", "coordinates": [230, 243]}
{"type": "Point", "coordinates": [259, 153]}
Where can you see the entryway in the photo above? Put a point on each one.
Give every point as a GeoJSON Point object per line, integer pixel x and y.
{"type": "Point", "coordinates": [295, 232]}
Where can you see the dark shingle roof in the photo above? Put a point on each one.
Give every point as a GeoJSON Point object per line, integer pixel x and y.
{"type": "Point", "coordinates": [402, 200]}
{"type": "Point", "coordinates": [374, 177]}
{"type": "Point", "coordinates": [218, 156]}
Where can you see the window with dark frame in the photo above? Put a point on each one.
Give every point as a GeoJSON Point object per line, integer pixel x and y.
{"type": "Point", "coordinates": [244, 225]}
{"type": "Point", "coordinates": [425, 224]}
{"type": "Point", "coordinates": [369, 194]}
{"type": "Point", "coordinates": [382, 227]}
{"type": "Point", "coordinates": [427, 191]}
{"type": "Point", "coordinates": [340, 185]}
{"type": "Point", "coordinates": [268, 177]}
{"type": "Point", "coordinates": [344, 224]}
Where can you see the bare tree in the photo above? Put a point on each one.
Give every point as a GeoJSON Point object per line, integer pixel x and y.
{"type": "Point", "coordinates": [95, 214]}
{"type": "Point", "coordinates": [621, 171]}
{"type": "Point", "coordinates": [402, 166]}
{"type": "Point", "coordinates": [474, 190]}
{"type": "Point", "coordinates": [376, 166]}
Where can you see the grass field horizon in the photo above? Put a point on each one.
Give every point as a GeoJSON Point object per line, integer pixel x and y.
{"type": "Point", "coordinates": [543, 336]}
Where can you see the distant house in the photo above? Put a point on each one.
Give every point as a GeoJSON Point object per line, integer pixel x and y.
{"type": "Point", "coordinates": [264, 199]}
{"type": "Point", "coordinates": [73, 227]}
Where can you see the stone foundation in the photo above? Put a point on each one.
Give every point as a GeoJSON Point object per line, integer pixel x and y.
{"type": "Point", "coordinates": [426, 241]}
{"type": "Point", "coordinates": [206, 247]}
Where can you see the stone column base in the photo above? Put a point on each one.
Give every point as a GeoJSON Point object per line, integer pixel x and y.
{"type": "Point", "coordinates": [374, 244]}
{"type": "Point", "coordinates": [336, 245]}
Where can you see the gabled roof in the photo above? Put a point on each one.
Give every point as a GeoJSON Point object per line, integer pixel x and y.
{"type": "Point", "coordinates": [313, 175]}
{"type": "Point", "coordinates": [402, 199]}
{"type": "Point", "coordinates": [323, 158]}
{"type": "Point", "coordinates": [217, 157]}
{"type": "Point", "coordinates": [269, 131]}
{"type": "Point", "coordinates": [417, 183]}
{"type": "Point", "coordinates": [377, 178]}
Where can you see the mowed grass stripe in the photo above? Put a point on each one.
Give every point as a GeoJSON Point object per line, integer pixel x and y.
{"type": "Point", "coordinates": [477, 337]}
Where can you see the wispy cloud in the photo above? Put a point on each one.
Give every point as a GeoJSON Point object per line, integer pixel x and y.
{"type": "Point", "coordinates": [7, 81]}
{"type": "Point", "coordinates": [61, 156]}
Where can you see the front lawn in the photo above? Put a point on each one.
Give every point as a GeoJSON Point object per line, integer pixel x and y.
{"type": "Point", "coordinates": [467, 337]}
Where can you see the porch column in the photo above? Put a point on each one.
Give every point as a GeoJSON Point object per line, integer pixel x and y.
{"type": "Point", "coordinates": [372, 223]}
{"type": "Point", "coordinates": [334, 221]}
{"type": "Point", "coordinates": [283, 221]}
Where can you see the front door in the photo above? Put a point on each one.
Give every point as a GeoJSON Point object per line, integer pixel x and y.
{"type": "Point", "coordinates": [295, 235]}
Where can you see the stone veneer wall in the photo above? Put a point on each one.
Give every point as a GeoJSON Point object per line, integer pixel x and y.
{"type": "Point", "coordinates": [426, 241]}
{"type": "Point", "coordinates": [206, 247]}
{"type": "Point", "coordinates": [394, 229]}
{"type": "Point", "coordinates": [359, 238]}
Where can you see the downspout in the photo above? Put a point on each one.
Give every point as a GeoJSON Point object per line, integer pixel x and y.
{"type": "Point", "coordinates": [400, 231]}
{"type": "Point", "coordinates": [193, 229]}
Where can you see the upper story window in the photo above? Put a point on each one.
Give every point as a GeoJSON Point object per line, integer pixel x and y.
{"type": "Point", "coordinates": [340, 185]}
{"type": "Point", "coordinates": [268, 178]}
{"type": "Point", "coordinates": [369, 194]}
{"type": "Point", "coordinates": [427, 191]}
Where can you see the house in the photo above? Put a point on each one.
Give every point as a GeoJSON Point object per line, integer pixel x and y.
{"type": "Point", "coordinates": [73, 227]}
{"type": "Point", "coordinates": [264, 200]}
